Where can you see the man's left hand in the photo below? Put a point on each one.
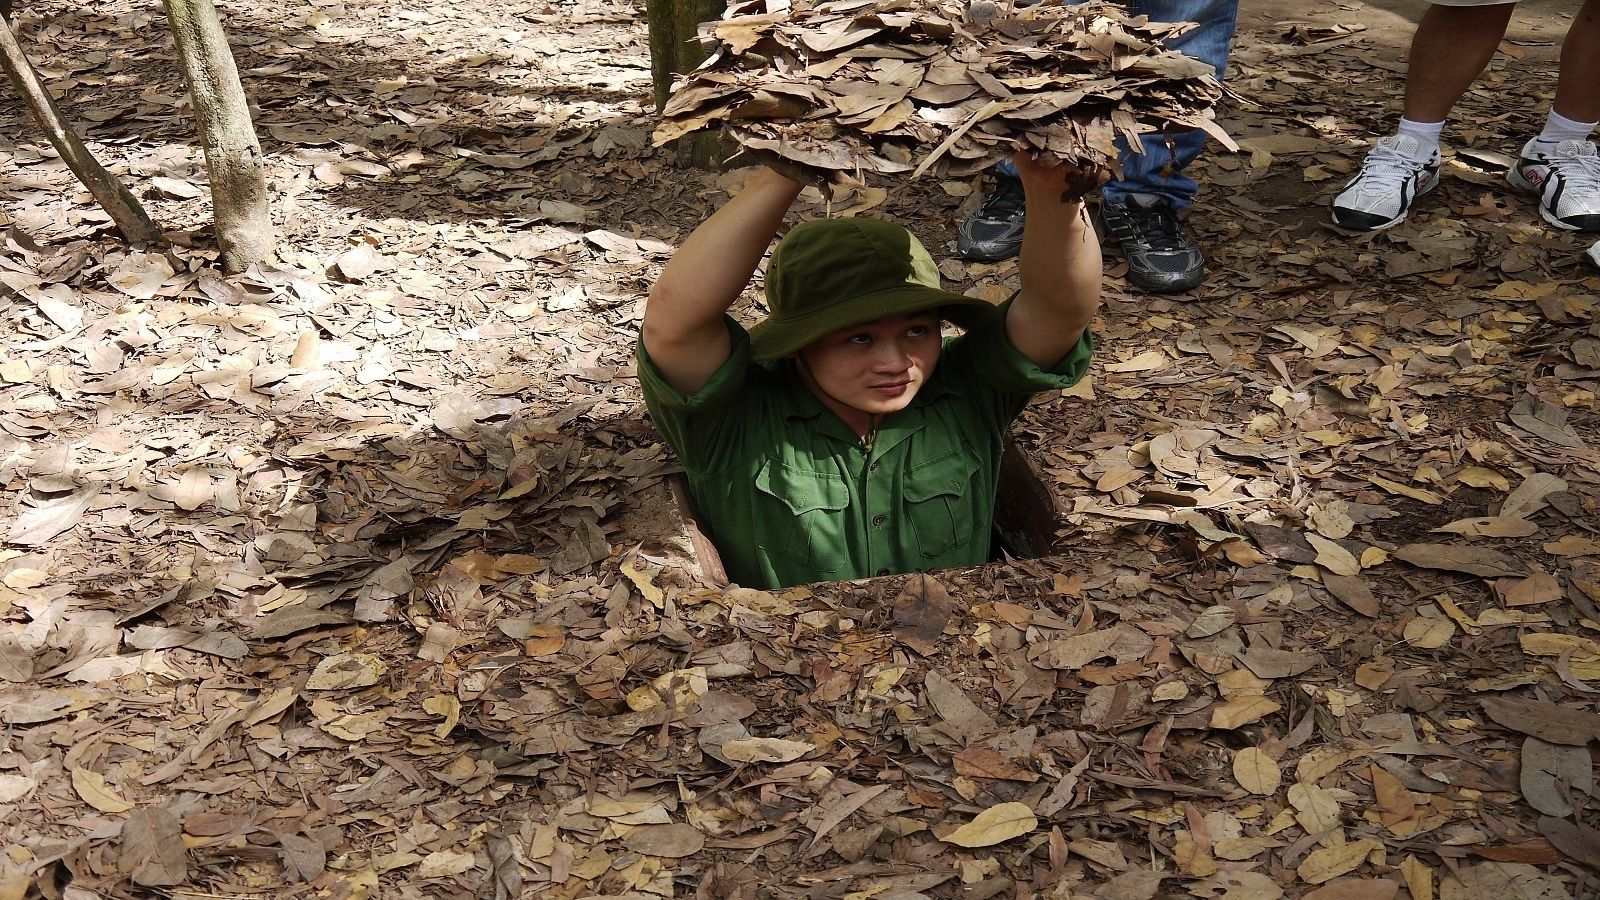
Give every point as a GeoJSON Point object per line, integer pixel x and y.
{"type": "Point", "coordinates": [1068, 181]}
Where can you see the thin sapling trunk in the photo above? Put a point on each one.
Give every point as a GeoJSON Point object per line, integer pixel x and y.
{"type": "Point", "coordinates": [233, 155]}
{"type": "Point", "coordinates": [125, 211]}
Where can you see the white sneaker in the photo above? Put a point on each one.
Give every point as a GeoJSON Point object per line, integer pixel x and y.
{"type": "Point", "coordinates": [1593, 255]}
{"type": "Point", "coordinates": [1380, 195]}
{"type": "Point", "coordinates": [1567, 181]}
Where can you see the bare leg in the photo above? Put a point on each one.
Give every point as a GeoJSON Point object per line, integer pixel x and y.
{"type": "Point", "coordinates": [1578, 90]}
{"type": "Point", "coordinates": [1449, 51]}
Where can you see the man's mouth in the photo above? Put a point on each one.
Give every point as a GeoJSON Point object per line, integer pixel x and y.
{"type": "Point", "coordinates": [893, 389]}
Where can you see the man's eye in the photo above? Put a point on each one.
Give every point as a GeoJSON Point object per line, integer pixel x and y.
{"type": "Point", "coordinates": [917, 331]}
{"type": "Point", "coordinates": [860, 339]}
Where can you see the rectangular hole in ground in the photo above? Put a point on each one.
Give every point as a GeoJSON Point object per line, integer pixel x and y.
{"type": "Point", "coordinates": [1025, 517]}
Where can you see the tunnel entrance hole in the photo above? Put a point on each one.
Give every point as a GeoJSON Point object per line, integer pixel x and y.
{"type": "Point", "coordinates": [1025, 517]}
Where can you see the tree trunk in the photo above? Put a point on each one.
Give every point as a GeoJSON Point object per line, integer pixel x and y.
{"type": "Point", "coordinates": [675, 49]}
{"type": "Point", "coordinates": [233, 155]}
{"type": "Point", "coordinates": [125, 211]}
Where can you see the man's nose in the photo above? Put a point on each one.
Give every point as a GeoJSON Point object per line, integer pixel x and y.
{"type": "Point", "coordinates": [892, 358]}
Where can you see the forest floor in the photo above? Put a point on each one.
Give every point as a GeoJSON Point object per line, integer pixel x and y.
{"type": "Point", "coordinates": [347, 577]}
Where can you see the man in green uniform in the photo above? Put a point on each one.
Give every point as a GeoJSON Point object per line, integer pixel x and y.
{"type": "Point", "coordinates": [842, 437]}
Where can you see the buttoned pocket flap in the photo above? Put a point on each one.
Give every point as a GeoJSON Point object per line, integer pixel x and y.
{"type": "Point", "coordinates": [950, 474]}
{"type": "Point", "coordinates": [802, 490]}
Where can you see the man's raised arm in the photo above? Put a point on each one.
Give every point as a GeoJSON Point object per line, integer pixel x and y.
{"type": "Point", "coordinates": [683, 329]}
{"type": "Point", "coordinates": [1060, 264]}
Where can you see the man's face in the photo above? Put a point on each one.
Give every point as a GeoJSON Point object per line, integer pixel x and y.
{"type": "Point", "coordinates": [878, 367]}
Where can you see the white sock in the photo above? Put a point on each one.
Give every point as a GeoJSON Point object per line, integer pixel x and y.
{"type": "Point", "coordinates": [1558, 128]}
{"type": "Point", "coordinates": [1426, 134]}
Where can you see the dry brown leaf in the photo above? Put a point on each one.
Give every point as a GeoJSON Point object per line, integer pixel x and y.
{"type": "Point", "coordinates": [1212, 620]}
{"type": "Point", "coordinates": [1489, 526]}
{"type": "Point", "coordinates": [1452, 558]}
{"type": "Point", "coordinates": [16, 787]}
{"type": "Point", "coordinates": [982, 762]}
{"type": "Point", "coordinates": [1316, 809]}
{"type": "Point", "coordinates": [1331, 862]}
{"type": "Point", "coordinates": [1429, 632]}
{"type": "Point", "coordinates": [671, 841]}
{"type": "Point", "coordinates": [358, 263]}
{"type": "Point", "coordinates": [92, 787]}
{"type": "Point", "coordinates": [1268, 663]}
{"type": "Point", "coordinates": [1394, 487]}
{"type": "Point", "coordinates": [1193, 857]}
{"type": "Point", "coordinates": [1140, 884]}
{"type": "Point", "coordinates": [443, 863]}
{"type": "Point", "coordinates": [1333, 557]}
{"type": "Point", "coordinates": [346, 670]}
{"type": "Point", "coordinates": [1577, 841]}
{"type": "Point", "coordinates": [1241, 711]}
{"type": "Point", "coordinates": [960, 714]}
{"type": "Point", "coordinates": [1529, 497]}
{"type": "Point", "coordinates": [1419, 878]}
{"type": "Point", "coordinates": [1553, 776]}
{"type": "Point", "coordinates": [997, 824]}
{"type": "Point", "coordinates": [765, 750]}
{"type": "Point", "coordinates": [1542, 719]}
{"type": "Point", "coordinates": [153, 852]}
{"type": "Point", "coordinates": [921, 611]}
{"type": "Point", "coordinates": [1353, 592]}
{"type": "Point", "coordinates": [14, 882]}
{"type": "Point", "coordinates": [46, 519]}
{"type": "Point", "coordinates": [1394, 800]}
{"type": "Point", "coordinates": [303, 858]}
{"type": "Point", "coordinates": [1539, 587]}
{"type": "Point", "coordinates": [1480, 477]}
{"type": "Point", "coordinates": [1237, 849]}
{"type": "Point", "coordinates": [1355, 889]}
{"type": "Point", "coordinates": [1256, 772]}
{"type": "Point", "coordinates": [1498, 881]}
{"type": "Point", "coordinates": [1572, 545]}
{"type": "Point", "coordinates": [192, 490]}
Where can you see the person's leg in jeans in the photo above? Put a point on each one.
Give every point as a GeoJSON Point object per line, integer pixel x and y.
{"type": "Point", "coordinates": [1139, 210]}
{"type": "Point", "coordinates": [994, 232]}
{"type": "Point", "coordinates": [1159, 170]}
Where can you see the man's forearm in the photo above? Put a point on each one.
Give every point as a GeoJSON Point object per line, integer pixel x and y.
{"type": "Point", "coordinates": [1060, 261]}
{"type": "Point", "coordinates": [683, 330]}
{"type": "Point", "coordinates": [1060, 265]}
{"type": "Point", "coordinates": [711, 269]}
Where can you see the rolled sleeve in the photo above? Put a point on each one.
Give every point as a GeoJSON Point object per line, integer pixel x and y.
{"type": "Point", "coordinates": [988, 356]}
{"type": "Point", "coordinates": [701, 427]}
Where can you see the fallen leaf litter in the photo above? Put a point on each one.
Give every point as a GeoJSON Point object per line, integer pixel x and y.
{"type": "Point", "coordinates": [340, 577]}
{"type": "Point", "coordinates": [843, 88]}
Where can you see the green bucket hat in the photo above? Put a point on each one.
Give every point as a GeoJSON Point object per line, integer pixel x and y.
{"type": "Point", "coordinates": [830, 274]}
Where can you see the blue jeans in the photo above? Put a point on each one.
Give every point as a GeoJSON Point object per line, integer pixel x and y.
{"type": "Point", "coordinates": [1159, 171]}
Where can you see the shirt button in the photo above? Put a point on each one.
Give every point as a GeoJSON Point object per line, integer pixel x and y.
{"type": "Point", "coordinates": [882, 572]}
{"type": "Point", "coordinates": [873, 467]}
{"type": "Point", "coordinates": [877, 521]}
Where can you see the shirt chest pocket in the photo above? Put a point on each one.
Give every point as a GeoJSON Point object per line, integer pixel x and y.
{"type": "Point", "coordinates": [800, 515]}
{"type": "Point", "coordinates": [938, 503]}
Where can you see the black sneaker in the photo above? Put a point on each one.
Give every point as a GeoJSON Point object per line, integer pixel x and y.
{"type": "Point", "coordinates": [1161, 255]}
{"type": "Point", "coordinates": [994, 232]}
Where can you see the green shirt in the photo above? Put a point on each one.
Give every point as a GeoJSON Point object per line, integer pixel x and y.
{"type": "Point", "coordinates": [792, 495]}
